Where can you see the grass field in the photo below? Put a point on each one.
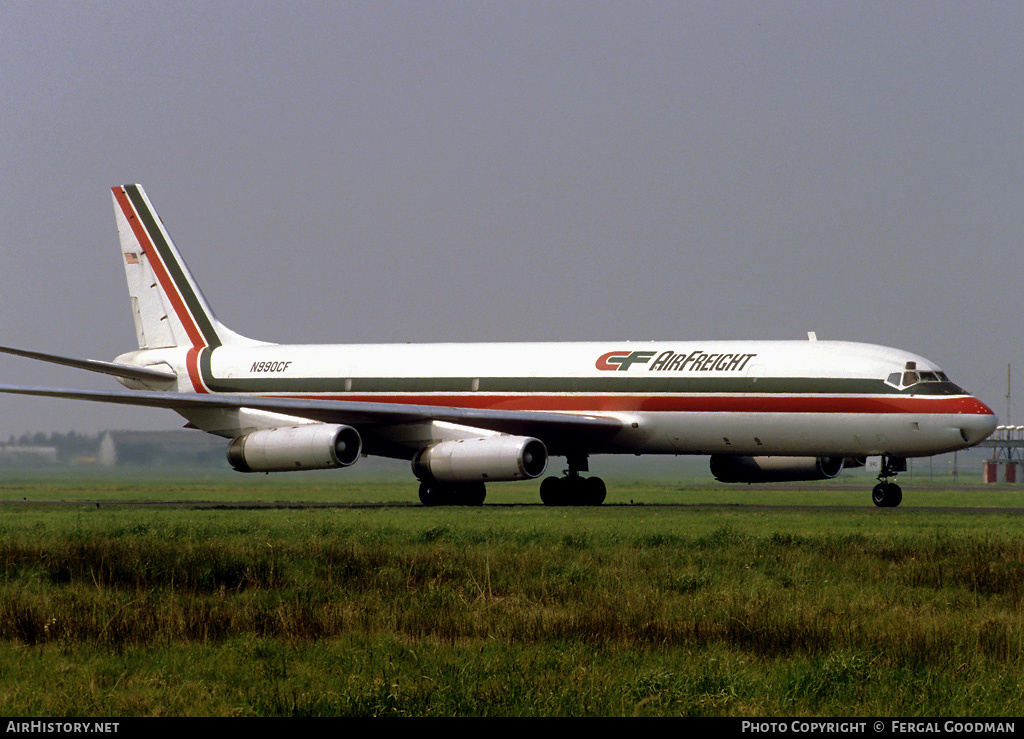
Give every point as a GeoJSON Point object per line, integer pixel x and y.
{"type": "Point", "coordinates": [705, 608]}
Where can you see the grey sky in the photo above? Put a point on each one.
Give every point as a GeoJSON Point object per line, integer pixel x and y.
{"type": "Point", "coordinates": [361, 172]}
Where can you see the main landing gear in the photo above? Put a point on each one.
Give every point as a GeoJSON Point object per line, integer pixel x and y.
{"type": "Point", "coordinates": [453, 493]}
{"type": "Point", "coordinates": [888, 494]}
{"type": "Point", "coordinates": [573, 489]}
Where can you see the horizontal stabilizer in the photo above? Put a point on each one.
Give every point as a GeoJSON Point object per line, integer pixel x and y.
{"type": "Point", "coordinates": [144, 374]}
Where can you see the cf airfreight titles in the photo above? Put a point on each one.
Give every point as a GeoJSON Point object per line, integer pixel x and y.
{"type": "Point", "coordinates": [670, 361]}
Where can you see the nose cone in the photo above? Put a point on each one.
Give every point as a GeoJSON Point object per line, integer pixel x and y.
{"type": "Point", "coordinates": [978, 425]}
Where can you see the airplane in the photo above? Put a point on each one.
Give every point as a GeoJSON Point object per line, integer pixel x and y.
{"type": "Point", "coordinates": [465, 415]}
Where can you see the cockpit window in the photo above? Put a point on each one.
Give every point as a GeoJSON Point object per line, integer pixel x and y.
{"type": "Point", "coordinates": [912, 377]}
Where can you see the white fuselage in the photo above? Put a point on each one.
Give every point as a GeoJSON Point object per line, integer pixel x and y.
{"type": "Point", "coordinates": [756, 398]}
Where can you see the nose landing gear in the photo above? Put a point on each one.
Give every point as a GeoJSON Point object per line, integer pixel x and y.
{"type": "Point", "coordinates": [888, 494]}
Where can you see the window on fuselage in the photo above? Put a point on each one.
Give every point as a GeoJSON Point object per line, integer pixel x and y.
{"type": "Point", "coordinates": [908, 379]}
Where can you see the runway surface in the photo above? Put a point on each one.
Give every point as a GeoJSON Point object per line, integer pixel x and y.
{"type": "Point", "coordinates": [311, 505]}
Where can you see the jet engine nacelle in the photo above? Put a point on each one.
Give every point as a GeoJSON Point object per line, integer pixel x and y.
{"type": "Point", "coordinates": [317, 446]}
{"type": "Point", "coordinates": [732, 468]}
{"type": "Point", "coordinates": [492, 458]}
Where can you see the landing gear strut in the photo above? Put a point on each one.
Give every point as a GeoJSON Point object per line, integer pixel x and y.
{"type": "Point", "coordinates": [573, 489]}
{"type": "Point", "coordinates": [888, 494]}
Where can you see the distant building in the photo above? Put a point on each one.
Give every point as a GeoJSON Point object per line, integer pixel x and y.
{"type": "Point", "coordinates": [21, 454]}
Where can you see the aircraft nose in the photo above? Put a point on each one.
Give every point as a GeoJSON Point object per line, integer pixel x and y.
{"type": "Point", "coordinates": [979, 425]}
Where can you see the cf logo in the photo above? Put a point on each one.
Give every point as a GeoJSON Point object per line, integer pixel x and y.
{"type": "Point", "coordinates": [621, 361]}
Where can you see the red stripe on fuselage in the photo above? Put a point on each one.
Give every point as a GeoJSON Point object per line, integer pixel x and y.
{"type": "Point", "coordinates": [192, 365]}
{"type": "Point", "coordinates": [881, 404]}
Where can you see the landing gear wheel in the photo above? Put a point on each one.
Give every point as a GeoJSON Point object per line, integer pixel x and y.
{"type": "Point", "coordinates": [887, 495]}
{"type": "Point", "coordinates": [877, 495]}
{"type": "Point", "coordinates": [594, 491]}
{"type": "Point", "coordinates": [470, 493]}
{"type": "Point", "coordinates": [573, 487]}
{"type": "Point", "coordinates": [432, 493]}
{"type": "Point", "coordinates": [572, 490]}
{"type": "Point", "coordinates": [895, 495]}
{"type": "Point", "coordinates": [551, 491]}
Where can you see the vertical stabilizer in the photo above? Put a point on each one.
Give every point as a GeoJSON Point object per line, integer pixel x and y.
{"type": "Point", "coordinates": [167, 305]}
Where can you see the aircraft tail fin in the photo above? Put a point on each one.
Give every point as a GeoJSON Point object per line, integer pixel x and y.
{"type": "Point", "coordinates": [167, 305]}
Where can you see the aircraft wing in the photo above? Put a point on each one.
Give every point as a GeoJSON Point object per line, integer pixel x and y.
{"type": "Point", "coordinates": [559, 431]}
